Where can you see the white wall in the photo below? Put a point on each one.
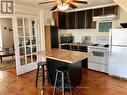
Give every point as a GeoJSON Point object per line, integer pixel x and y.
{"type": "Point", "coordinates": [47, 16]}
{"type": "Point", "coordinates": [26, 10]}
{"type": "Point", "coordinates": [122, 18]}
{"type": "Point", "coordinates": [122, 3]}
{"type": "Point", "coordinates": [7, 36]}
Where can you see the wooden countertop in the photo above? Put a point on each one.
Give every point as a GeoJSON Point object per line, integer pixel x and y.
{"type": "Point", "coordinates": [64, 55]}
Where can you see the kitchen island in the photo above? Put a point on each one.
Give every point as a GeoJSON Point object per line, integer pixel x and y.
{"type": "Point", "coordinates": [59, 57]}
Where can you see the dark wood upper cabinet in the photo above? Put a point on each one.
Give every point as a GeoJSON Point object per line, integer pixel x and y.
{"type": "Point", "coordinates": [71, 20]}
{"type": "Point", "coordinates": [62, 20]}
{"type": "Point", "coordinates": [89, 19]}
{"type": "Point", "coordinates": [80, 19]}
{"type": "Point", "coordinates": [110, 10]}
{"type": "Point", "coordinates": [94, 25]}
{"type": "Point", "coordinates": [98, 12]}
{"type": "Point", "coordinates": [56, 18]}
{"type": "Point", "coordinates": [106, 11]}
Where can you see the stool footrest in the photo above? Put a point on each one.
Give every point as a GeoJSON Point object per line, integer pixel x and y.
{"type": "Point", "coordinates": [62, 80]}
{"type": "Point", "coordinates": [67, 89]}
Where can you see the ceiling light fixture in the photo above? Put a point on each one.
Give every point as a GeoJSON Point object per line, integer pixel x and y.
{"type": "Point", "coordinates": [63, 6]}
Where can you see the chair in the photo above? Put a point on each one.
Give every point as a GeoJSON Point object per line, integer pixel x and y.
{"type": "Point", "coordinates": [64, 81]}
{"type": "Point", "coordinates": [1, 49]}
{"type": "Point", "coordinates": [40, 71]}
{"type": "Point", "coordinates": [6, 50]}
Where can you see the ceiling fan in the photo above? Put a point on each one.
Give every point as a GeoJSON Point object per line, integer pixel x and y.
{"type": "Point", "coordinates": [64, 3]}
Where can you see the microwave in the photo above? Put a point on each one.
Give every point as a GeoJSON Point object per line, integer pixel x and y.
{"type": "Point", "coordinates": [66, 39]}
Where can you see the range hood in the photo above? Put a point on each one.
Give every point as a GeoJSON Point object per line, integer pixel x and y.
{"type": "Point", "coordinates": [124, 25]}
{"type": "Point", "coordinates": [105, 18]}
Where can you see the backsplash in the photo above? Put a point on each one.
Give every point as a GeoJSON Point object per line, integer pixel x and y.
{"type": "Point", "coordinates": [86, 39]}
{"type": "Point", "coordinates": [79, 33]}
{"type": "Point", "coordinates": [102, 39]}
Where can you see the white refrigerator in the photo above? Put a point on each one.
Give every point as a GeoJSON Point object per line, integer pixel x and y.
{"type": "Point", "coordinates": [118, 53]}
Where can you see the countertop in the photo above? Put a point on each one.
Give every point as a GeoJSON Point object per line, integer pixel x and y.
{"type": "Point", "coordinates": [64, 55]}
{"type": "Point", "coordinates": [77, 44]}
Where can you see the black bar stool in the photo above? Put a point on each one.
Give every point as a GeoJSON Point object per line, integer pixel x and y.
{"type": "Point", "coordinates": [41, 73]}
{"type": "Point", "coordinates": [62, 79]}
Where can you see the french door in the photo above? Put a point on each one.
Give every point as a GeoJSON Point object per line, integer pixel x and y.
{"type": "Point", "coordinates": [25, 38]}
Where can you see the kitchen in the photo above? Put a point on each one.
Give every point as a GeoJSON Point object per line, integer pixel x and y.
{"type": "Point", "coordinates": [84, 39]}
{"type": "Point", "coordinates": [94, 38]}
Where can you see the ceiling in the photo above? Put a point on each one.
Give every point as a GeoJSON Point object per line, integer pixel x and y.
{"type": "Point", "coordinates": [50, 5]}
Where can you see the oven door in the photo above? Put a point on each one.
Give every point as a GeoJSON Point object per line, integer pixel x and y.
{"type": "Point", "coordinates": [97, 57]}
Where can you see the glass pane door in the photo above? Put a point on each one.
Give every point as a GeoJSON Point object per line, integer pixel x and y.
{"type": "Point", "coordinates": [26, 43]}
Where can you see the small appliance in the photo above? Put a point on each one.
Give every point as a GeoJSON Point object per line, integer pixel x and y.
{"type": "Point", "coordinates": [66, 39]}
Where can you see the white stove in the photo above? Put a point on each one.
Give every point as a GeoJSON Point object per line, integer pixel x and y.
{"type": "Point", "coordinates": [99, 47]}
{"type": "Point", "coordinates": [99, 60]}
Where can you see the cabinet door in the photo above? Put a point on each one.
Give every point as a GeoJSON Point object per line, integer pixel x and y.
{"type": "Point", "coordinates": [80, 19]}
{"type": "Point", "coordinates": [74, 47]}
{"type": "Point", "coordinates": [84, 61]}
{"type": "Point", "coordinates": [54, 37]}
{"type": "Point", "coordinates": [55, 16]}
{"type": "Point", "coordinates": [47, 38]}
{"type": "Point", "coordinates": [51, 37]}
{"type": "Point", "coordinates": [98, 12]}
{"type": "Point", "coordinates": [94, 25]}
{"type": "Point", "coordinates": [109, 10]}
{"type": "Point", "coordinates": [89, 19]}
{"type": "Point", "coordinates": [71, 20]}
{"type": "Point", "coordinates": [82, 48]}
{"type": "Point", "coordinates": [62, 20]}
{"type": "Point", "coordinates": [65, 47]}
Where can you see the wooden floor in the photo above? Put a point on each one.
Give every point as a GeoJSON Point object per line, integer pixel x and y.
{"type": "Point", "coordinates": [93, 83]}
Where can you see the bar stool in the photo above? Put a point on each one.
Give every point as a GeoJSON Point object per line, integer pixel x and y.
{"type": "Point", "coordinates": [41, 73]}
{"type": "Point", "coordinates": [64, 82]}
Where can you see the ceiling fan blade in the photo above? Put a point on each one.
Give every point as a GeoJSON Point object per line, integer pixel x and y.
{"type": "Point", "coordinates": [54, 8]}
{"type": "Point", "coordinates": [83, 2]}
{"type": "Point", "coordinates": [47, 2]}
{"type": "Point", "coordinates": [72, 5]}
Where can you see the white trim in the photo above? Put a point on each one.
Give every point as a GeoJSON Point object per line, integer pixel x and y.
{"type": "Point", "coordinates": [14, 25]}
{"type": "Point", "coordinates": [42, 34]}
{"type": "Point", "coordinates": [42, 30]}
